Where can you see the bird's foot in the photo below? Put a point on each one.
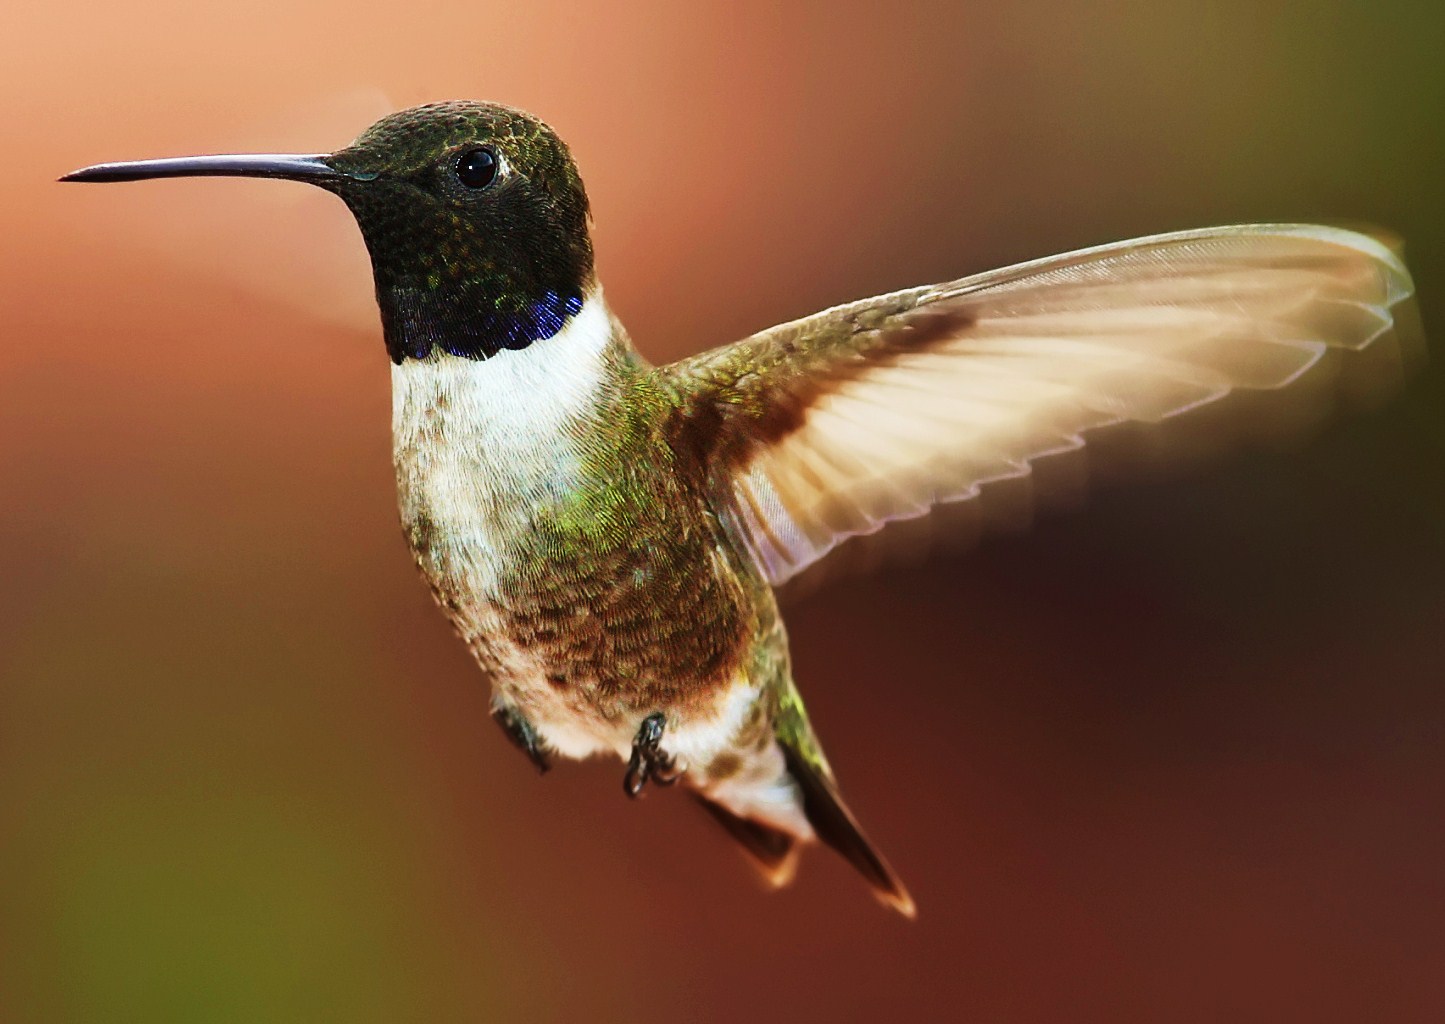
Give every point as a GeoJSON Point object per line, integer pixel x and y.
{"type": "Point", "coordinates": [521, 732]}
{"type": "Point", "coordinates": [649, 763]}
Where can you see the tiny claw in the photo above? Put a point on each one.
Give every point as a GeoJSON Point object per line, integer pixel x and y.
{"type": "Point", "coordinates": [648, 761]}
{"type": "Point", "coordinates": [634, 779]}
{"type": "Point", "coordinates": [665, 772]}
{"type": "Point", "coordinates": [523, 735]}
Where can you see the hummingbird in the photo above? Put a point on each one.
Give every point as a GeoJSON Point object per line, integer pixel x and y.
{"type": "Point", "coordinates": [607, 535]}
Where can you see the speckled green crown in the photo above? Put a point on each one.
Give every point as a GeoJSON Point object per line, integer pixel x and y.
{"type": "Point", "coordinates": [466, 271]}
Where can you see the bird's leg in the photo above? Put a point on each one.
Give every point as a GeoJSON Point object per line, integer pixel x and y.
{"type": "Point", "coordinates": [649, 762]}
{"type": "Point", "coordinates": [521, 733]}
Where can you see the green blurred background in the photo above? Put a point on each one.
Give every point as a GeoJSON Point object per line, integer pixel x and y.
{"type": "Point", "coordinates": [1176, 757]}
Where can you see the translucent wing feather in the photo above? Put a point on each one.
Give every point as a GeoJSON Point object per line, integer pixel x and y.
{"type": "Point", "coordinates": [878, 411]}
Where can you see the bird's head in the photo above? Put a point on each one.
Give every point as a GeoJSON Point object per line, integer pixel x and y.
{"type": "Point", "coordinates": [474, 215]}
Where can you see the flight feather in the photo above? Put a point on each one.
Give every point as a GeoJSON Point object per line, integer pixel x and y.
{"type": "Point", "coordinates": [835, 425]}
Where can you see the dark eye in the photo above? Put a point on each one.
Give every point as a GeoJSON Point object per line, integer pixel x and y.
{"type": "Point", "coordinates": [477, 168]}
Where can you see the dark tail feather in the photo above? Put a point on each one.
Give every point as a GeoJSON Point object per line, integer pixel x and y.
{"type": "Point", "coordinates": [775, 853]}
{"type": "Point", "coordinates": [836, 826]}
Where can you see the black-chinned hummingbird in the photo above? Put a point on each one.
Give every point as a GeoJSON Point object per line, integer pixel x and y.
{"type": "Point", "coordinates": [605, 535]}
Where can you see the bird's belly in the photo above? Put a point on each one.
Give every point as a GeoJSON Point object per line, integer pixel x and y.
{"type": "Point", "coordinates": [586, 639]}
{"type": "Point", "coordinates": [584, 670]}
{"type": "Point", "coordinates": [467, 570]}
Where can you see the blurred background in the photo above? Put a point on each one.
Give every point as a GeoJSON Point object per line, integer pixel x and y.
{"type": "Point", "coordinates": [1176, 757]}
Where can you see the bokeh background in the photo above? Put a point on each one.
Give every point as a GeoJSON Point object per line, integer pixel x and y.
{"type": "Point", "coordinates": [1176, 757]}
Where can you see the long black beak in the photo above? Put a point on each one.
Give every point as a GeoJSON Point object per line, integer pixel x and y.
{"type": "Point", "coordinates": [296, 166]}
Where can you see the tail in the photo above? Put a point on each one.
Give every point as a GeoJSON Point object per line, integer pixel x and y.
{"type": "Point", "coordinates": [837, 827]}
{"type": "Point", "coordinates": [751, 815]}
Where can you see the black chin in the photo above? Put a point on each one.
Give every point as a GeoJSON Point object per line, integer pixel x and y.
{"type": "Point", "coordinates": [418, 323]}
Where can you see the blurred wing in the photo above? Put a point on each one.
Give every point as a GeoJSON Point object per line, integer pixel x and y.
{"type": "Point", "coordinates": [832, 426]}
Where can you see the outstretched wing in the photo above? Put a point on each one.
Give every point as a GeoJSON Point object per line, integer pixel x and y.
{"type": "Point", "coordinates": [832, 426]}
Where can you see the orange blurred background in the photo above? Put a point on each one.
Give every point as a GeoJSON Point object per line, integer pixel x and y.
{"type": "Point", "coordinates": [1177, 757]}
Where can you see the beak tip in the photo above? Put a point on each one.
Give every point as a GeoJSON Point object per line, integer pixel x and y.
{"type": "Point", "coordinates": [102, 172]}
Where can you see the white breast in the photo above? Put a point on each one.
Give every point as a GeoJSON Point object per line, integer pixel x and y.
{"type": "Point", "coordinates": [478, 444]}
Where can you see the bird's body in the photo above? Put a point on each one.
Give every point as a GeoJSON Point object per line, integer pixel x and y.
{"type": "Point", "coordinates": [606, 535]}
{"type": "Point", "coordinates": [581, 563]}
{"type": "Point", "coordinates": [591, 569]}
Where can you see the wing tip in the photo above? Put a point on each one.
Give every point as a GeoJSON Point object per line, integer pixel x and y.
{"type": "Point", "coordinates": [1384, 246]}
{"type": "Point", "coordinates": [900, 901]}
{"type": "Point", "coordinates": [771, 851]}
